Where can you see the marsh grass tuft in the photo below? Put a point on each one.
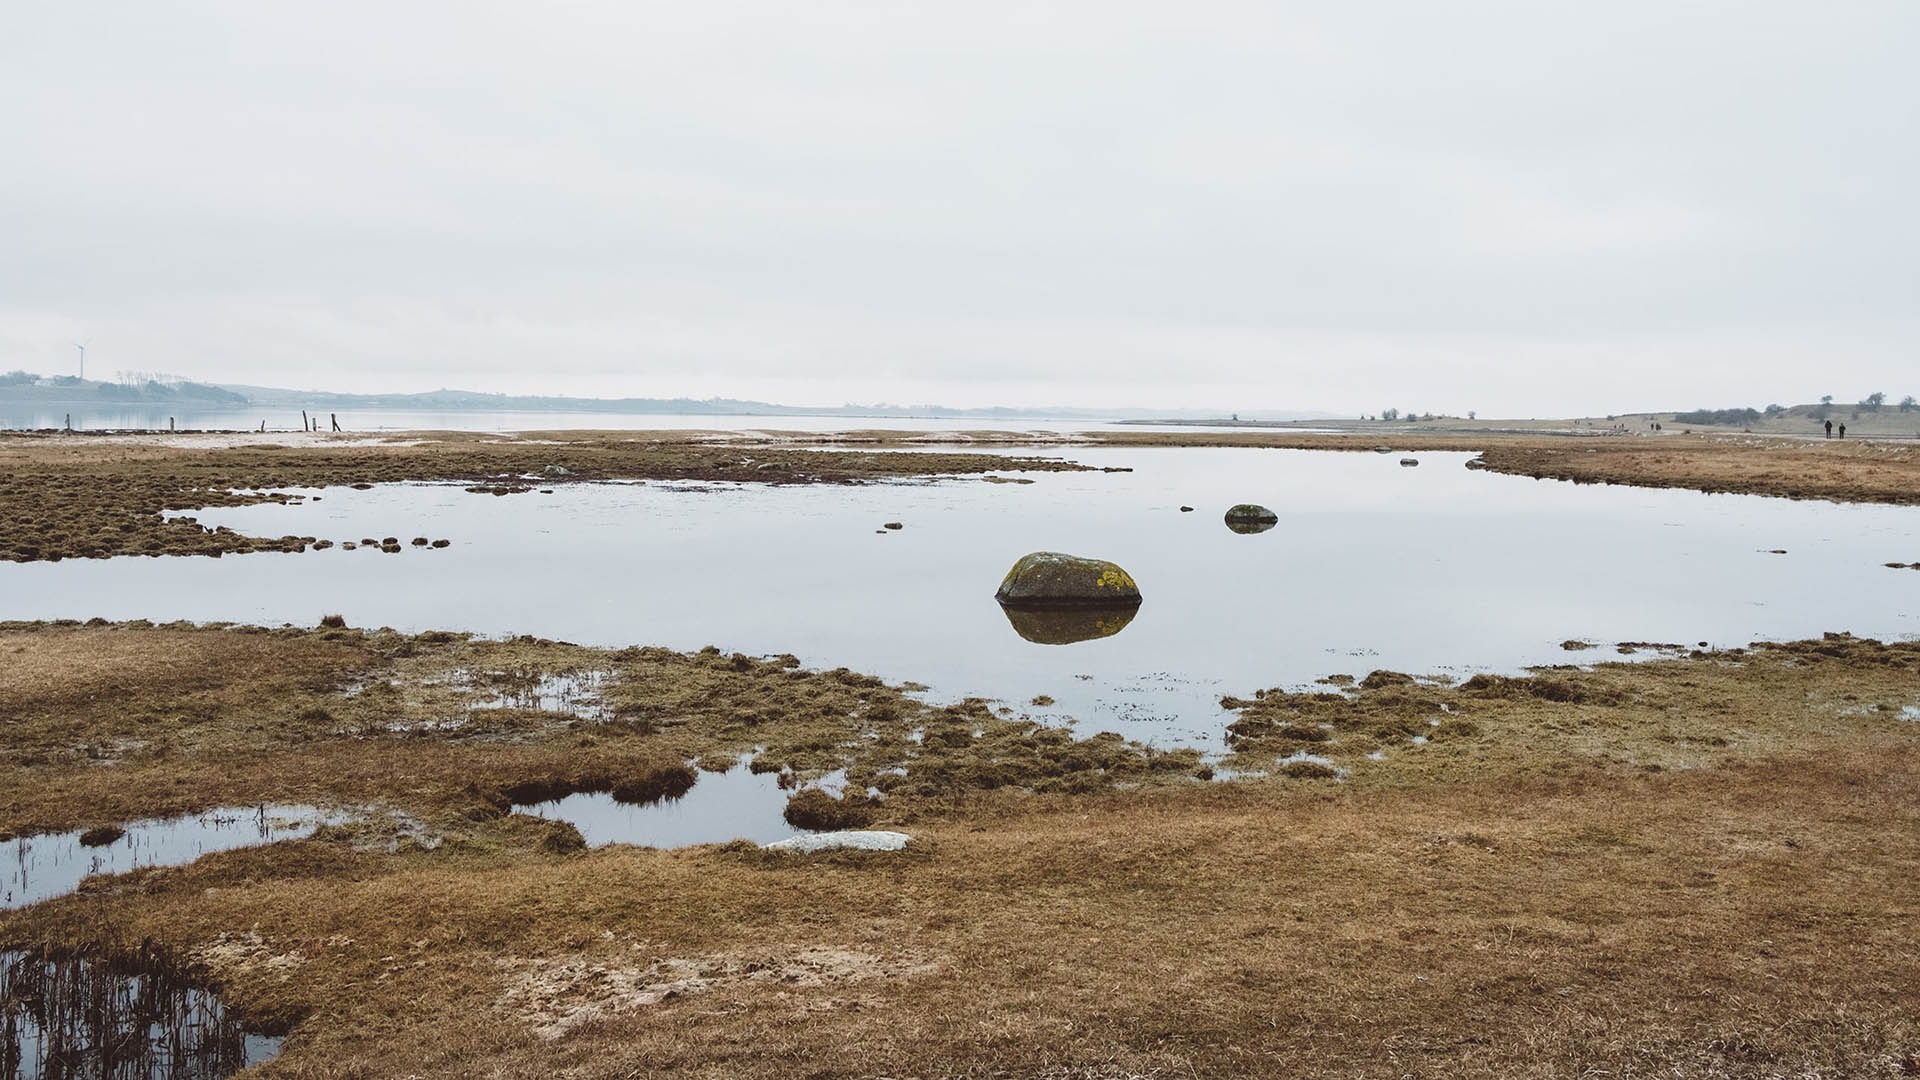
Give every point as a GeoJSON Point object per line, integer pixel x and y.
{"type": "Point", "coordinates": [815, 809]}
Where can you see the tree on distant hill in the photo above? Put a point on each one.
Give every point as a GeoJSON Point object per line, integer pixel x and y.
{"type": "Point", "coordinates": [1907, 403]}
{"type": "Point", "coordinates": [1716, 416]}
{"type": "Point", "coordinates": [1389, 414]}
{"type": "Point", "coordinates": [1873, 401]}
{"type": "Point", "coordinates": [26, 378]}
{"type": "Point", "coordinates": [1775, 411]}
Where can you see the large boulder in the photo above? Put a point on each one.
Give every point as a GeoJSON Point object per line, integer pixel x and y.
{"type": "Point", "coordinates": [1049, 579]}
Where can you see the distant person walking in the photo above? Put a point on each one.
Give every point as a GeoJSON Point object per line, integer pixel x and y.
{"type": "Point", "coordinates": [1829, 429]}
{"type": "Point", "coordinates": [1843, 431]}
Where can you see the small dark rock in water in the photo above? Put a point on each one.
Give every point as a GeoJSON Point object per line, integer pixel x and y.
{"type": "Point", "coordinates": [1476, 463]}
{"type": "Point", "coordinates": [815, 809]}
{"type": "Point", "coordinates": [1383, 449]}
{"type": "Point", "coordinates": [556, 470]}
{"type": "Point", "coordinates": [1575, 645]}
{"type": "Point", "coordinates": [390, 540]}
{"type": "Point", "coordinates": [421, 541]}
{"type": "Point", "coordinates": [1049, 579]}
{"type": "Point", "coordinates": [1186, 509]}
{"type": "Point", "coordinates": [334, 622]}
{"type": "Point", "coordinates": [1250, 518]}
{"type": "Point", "coordinates": [349, 546]}
{"type": "Point", "coordinates": [391, 549]}
{"type": "Point", "coordinates": [1407, 461]}
{"type": "Point", "coordinates": [101, 836]}
{"type": "Point", "coordinates": [442, 543]}
{"type": "Point", "coordinates": [893, 525]}
{"type": "Point", "coordinates": [368, 542]}
{"type": "Point", "coordinates": [1776, 551]}
{"type": "Point", "coordinates": [363, 487]}
{"type": "Point", "coordinates": [322, 545]}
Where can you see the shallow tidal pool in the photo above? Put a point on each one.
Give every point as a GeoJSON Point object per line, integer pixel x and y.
{"type": "Point", "coordinates": [1431, 569]}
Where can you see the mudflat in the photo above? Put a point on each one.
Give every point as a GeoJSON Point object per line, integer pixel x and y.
{"type": "Point", "coordinates": [1850, 470]}
{"type": "Point", "coordinates": [96, 496]}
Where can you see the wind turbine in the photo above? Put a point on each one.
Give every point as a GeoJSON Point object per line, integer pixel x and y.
{"type": "Point", "coordinates": [83, 360]}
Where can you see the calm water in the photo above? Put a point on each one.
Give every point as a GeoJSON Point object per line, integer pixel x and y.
{"type": "Point", "coordinates": [733, 805]}
{"type": "Point", "coordinates": [1429, 569]}
{"type": "Point", "coordinates": [285, 419]}
{"type": "Point", "coordinates": [136, 1017]}
{"type": "Point", "coordinates": [53, 864]}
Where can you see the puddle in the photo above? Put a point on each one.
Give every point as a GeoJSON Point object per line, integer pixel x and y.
{"type": "Point", "coordinates": [121, 1018]}
{"type": "Point", "coordinates": [53, 864]}
{"type": "Point", "coordinates": [576, 692]}
{"type": "Point", "coordinates": [738, 804]}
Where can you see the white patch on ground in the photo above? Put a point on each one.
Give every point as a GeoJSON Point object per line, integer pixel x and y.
{"type": "Point", "coordinates": [560, 994]}
{"type": "Point", "coordinates": [232, 954]}
{"type": "Point", "coordinates": [851, 839]}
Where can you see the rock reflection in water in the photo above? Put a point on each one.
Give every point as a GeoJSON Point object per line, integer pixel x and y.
{"type": "Point", "coordinates": [130, 1016]}
{"type": "Point", "coordinates": [1064, 626]}
{"type": "Point", "coordinates": [1248, 526]}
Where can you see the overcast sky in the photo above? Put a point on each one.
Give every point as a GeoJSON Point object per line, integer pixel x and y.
{"type": "Point", "coordinates": [1524, 207]}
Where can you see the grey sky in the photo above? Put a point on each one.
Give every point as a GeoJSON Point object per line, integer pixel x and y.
{"type": "Point", "coordinates": [1516, 207]}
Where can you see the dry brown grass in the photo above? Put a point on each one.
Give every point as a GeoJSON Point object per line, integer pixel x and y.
{"type": "Point", "coordinates": [1530, 899]}
{"type": "Point", "coordinates": [1681, 710]}
{"type": "Point", "coordinates": [1749, 921]}
{"type": "Point", "coordinates": [111, 721]}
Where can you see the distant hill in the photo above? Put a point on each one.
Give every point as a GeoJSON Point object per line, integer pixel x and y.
{"type": "Point", "coordinates": [467, 400]}
{"type": "Point", "coordinates": [23, 389]}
